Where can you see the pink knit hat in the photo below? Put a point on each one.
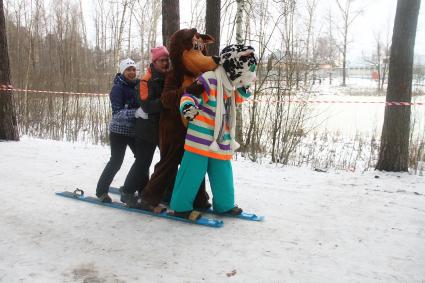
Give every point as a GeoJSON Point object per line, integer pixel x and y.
{"type": "Point", "coordinates": [159, 52]}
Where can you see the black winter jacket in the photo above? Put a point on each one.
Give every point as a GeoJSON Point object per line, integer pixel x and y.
{"type": "Point", "coordinates": [147, 129]}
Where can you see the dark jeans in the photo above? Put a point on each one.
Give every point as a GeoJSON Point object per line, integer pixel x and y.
{"type": "Point", "coordinates": [138, 176]}
{"type": "Point", "coordinates": [118, 146]}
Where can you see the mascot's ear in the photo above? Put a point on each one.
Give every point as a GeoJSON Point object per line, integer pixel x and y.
{"type": "Point", "coordinates": [207, 38]}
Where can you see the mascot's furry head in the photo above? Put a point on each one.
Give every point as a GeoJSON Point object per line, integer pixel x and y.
{"type": "Point", "coordinates": [188, 54]}
{"type": "Point", "coordinates": [240, 63]}
{"type": "Point", "coordinates": [188, 57]}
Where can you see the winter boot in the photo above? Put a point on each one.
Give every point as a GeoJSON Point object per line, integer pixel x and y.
{"type": "Point", "coordinates": [105, 198]}
{"type": "Point", "coordinates": [234, 211]}
{"type": "Point", "coordinates": [191, 215]}
{"type": "Point", "coordinates": [126, 198]}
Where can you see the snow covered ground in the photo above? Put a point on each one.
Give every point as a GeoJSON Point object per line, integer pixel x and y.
{"type": "Point", "coordinates": [352, 119]}
{"type": "Point", "coordinates": [319, 227]}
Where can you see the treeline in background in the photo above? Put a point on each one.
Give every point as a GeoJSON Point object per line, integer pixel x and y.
{"type": "Point", "coordinates": [51, 49]}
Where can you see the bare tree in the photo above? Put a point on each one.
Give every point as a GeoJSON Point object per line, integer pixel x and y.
{"type": "Point", "coordinates": [197, 12]}
{"type": "Point", "coordinates": [8, 123]}
{"type": "Point", "coordinates": [228, 21]}
{"type": "Point", "coordinates": [329, 52]}
{"type": "Point", "coordinates": [386, 56]}
{"type": "Point", "coordinates": [311, 7]}
{"type": "Point", "coordinates": [239, 40]}
{"type": "Point", "coordinates": [119, 34]}
{"type": "Point", "coordinates": [147, 14]}
{"type": "Point", "coordinates": [132, 3]}
{"type": "Point", "coordinates": [376, 60]}
{"type": "Point", "coordinates": [394, 150]}
{"type": "Point", "coordinates": [239, 21]}
{"type": "Point", "coordinates": [348, 17]}
{"type": "Point", "coordinates": [379, 60]}
{"type": "Point", "coordinates": [212, 25]}
{"type": "Point", "coordinates": [48, 50]}
{"type": "Point", "coordinates": [153, 23]}
{"type": "Point", "coordinates": [170, 19]}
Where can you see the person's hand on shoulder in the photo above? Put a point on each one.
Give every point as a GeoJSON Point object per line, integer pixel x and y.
{"type": "Point", "coordinates": [190, 112]}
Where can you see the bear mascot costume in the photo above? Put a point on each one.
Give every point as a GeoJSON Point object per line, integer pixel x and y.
{"type": "Point", "coordinates": [188, 59]}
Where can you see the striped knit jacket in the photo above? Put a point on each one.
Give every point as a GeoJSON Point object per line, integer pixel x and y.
{"type": "Point", "coordinates": [200, 131]}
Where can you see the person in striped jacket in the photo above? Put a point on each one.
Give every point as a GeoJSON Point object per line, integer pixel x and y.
{"type": "Point", "coordinates": [210, 139]}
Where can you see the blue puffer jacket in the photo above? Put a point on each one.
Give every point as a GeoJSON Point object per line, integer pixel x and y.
{"type": "Point", "coordinates": [124, 104]}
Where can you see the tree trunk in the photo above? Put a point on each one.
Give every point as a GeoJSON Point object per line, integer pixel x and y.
{"type": "Point", "coordinates": [8, 122]}
{"type": "Point", "coordinates": [378, 54]}
{"type": "Point", "coordinates": [120, 36]}
{"type": "Point", "coordinates": [394, 151]}
{"type": "Point", "coordinates": [170, 19]}
{"type": "Point", "coordinates": [212, 25]}
{"type": "Point", "coordinates": [311, 6]}
{"type": "Point", "coordinates": [344, 56]}
{"type": "Point", "coordinates": [239, 40]}
{"type": "Point", "coordinates": [348, 16]}
{"type": "Point", "coordinates": [239, 21]}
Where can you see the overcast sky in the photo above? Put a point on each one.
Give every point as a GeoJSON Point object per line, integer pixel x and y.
{"type": "Point", "coordinates": [377, 17]}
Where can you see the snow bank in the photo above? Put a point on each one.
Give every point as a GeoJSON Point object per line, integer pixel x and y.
{"type": "Point", "coordinates": [319, 227]}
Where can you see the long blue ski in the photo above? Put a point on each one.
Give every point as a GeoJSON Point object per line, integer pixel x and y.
{"type": "Point", "coordinates": [243, 215]}
{"type": "Point", "coordinates": [202, 221]}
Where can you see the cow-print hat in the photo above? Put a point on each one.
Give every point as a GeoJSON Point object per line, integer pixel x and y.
{"type": "Point", "coordinates": [236, 58]}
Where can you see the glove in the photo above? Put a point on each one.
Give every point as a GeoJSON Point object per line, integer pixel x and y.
{"type": "Point", "coordinates": [190, 112]}
{"type": "Point", "coordinates": [243, 89]}
{"type": "Point", "coordinates": [195, 89]}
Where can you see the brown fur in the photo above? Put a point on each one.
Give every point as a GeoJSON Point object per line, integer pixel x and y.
{"type": "Point", "coordinates": [180, 42]}
{"type": "Point", "coordinates": [187, 64]}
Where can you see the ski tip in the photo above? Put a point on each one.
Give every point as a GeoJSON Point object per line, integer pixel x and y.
{"type": "Point", "coordinates": [257, 218]}
{"type": "Point", "coordinates": [215, 223]}
{"type": "Point", "coordinates": [250, 216]}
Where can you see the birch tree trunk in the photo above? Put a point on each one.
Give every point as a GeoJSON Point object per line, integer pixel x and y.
{"type": "Point", "coordinates": [394, 150]}
{"type": "Point", "coordinates": [239, 40]}
{"type": "Point", "coordinates": [239, 21]}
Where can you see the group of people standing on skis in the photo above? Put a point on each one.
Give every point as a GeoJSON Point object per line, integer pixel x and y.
{"type": "Point", "coordinates": [146, 114]}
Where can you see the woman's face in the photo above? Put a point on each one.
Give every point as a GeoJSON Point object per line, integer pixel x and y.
{"type": "Point", "coordinates": [162, 64]}
{"type": "Point", "coordinates": [130, 73]}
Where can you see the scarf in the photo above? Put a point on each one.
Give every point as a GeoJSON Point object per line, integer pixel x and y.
{"type": "Point", "coordinates": [223, 83]}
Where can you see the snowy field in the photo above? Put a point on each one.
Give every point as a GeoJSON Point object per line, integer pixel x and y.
{"type": "Point", "coordinates": [319, 227]}
{"type": "Point", "coordinates": [351, 119]}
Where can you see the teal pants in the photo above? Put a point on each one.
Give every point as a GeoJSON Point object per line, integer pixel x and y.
{"type": "Point", "coordinates": [190, 175]}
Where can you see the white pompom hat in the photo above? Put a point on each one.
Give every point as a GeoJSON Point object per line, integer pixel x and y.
{"type": "Point", "coordinates": [124, 64]}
